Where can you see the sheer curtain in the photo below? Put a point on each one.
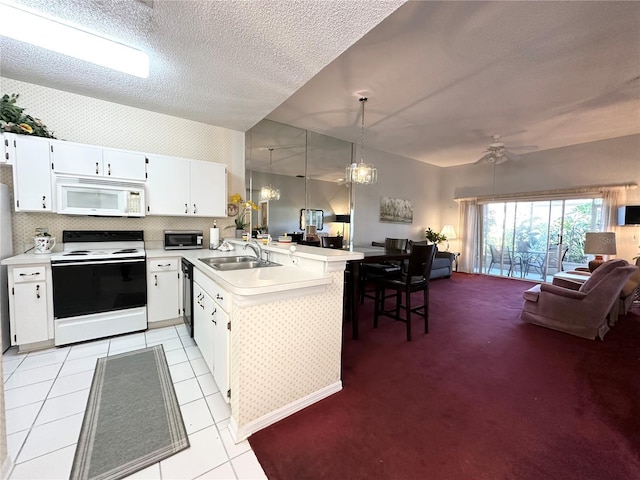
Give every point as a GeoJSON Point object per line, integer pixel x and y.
{"type": "Point", "coordinates": [468, 234]}
{"type": "Point", "coordinates": [610, 197]}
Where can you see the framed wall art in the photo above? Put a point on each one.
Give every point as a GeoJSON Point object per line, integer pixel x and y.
{"type": "Point", "coordinates": [396, 210]}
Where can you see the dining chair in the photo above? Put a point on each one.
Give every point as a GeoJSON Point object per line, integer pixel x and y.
{"type": "Point", "coordinates": [388, 268]}
{"type": "Point", "coordinates": [415, 279]}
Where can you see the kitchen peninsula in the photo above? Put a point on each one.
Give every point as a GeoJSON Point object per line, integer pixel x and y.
{"type": "Point", "coordinates": [271, 336]}
{"type": "Point", "coordinates": [285, 337]}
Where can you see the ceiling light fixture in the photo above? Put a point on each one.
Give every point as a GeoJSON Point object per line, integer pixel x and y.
{"type": "Point", "coordinates": [268, 192]}
{"type": "Point", "coordinates": [361, 172]}
{"type": "Point", "coordinates": [51, 34]}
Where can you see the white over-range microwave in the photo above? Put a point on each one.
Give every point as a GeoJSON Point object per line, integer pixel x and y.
{"type": "Point", "coordinates": [83, 196]}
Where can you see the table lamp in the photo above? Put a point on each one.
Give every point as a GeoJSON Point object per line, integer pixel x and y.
{"type": "Point", "coordinates": [343, 218]}
{"type": "Point", "coordinates": [448, 232]}
{"type": "Point", "coordinates": [599, 244]}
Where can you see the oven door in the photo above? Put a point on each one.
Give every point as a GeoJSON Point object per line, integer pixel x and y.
{"type": "Point", "coordinates": [81, 288]}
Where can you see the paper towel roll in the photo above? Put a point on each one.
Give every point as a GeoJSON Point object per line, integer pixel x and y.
{"type": "Point", "coordinates": [214, 238]}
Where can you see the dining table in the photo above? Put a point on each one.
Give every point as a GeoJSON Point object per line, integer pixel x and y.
{"type": "Point", "coordinates": [371, 255]}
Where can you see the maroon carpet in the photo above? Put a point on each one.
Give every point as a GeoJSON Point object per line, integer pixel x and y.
{"type": "Point", "coordinates": [482, 396]}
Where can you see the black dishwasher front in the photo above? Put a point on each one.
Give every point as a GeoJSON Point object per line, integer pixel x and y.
{"type": "Point", "coordinates": [187, 295]}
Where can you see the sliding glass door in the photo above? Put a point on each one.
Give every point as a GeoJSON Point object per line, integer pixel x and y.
{"type": "Point", "coordinates": [535, 239]}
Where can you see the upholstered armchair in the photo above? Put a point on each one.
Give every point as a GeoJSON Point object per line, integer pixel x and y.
{"type": "Point", "coordinates": [581, 312]}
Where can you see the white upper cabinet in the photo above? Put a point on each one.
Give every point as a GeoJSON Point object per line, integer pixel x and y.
{"type": "Point", "coordinates": [93, 161]}
{"type": "Point", "coordinates": [208, 189]}
{"type": "Point", "coordinates": [181, 187]}
{"type": "Point", "coordinates": [31, 174]}
{"type": "Point", "coordinates": [123, 164]}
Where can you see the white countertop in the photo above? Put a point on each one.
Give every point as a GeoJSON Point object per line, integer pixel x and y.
{"type": "Point", "coordinates": [28, 259]}
{"type": "Point", "coordinates": [259, 281]}
{"type": "Point", "coordinates": [256, 281]}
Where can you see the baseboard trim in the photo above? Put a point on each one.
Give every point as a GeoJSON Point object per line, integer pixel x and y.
{"type": "Point", "coordinates": [164, 323]}
{"type": "Point", "coordinates": [242, 433]}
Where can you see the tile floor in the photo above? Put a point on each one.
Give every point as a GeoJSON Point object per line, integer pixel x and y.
{"type": "Point", "coordinates": [46, 394]}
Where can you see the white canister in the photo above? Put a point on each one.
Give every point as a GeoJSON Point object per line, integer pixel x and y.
{"type": "Point", "coordinates": [44, 244]}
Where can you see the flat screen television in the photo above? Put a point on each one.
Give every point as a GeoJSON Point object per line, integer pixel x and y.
{"type": "Point", "coordinates": [629, 215]}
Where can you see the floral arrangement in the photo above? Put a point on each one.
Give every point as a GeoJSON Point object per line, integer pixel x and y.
{"type": "Point", "coordinates": [236, 199]}
{"type": "Point", "coordinates": [434, 237]}
{"type": "Point", "coordinates": [13, 120]}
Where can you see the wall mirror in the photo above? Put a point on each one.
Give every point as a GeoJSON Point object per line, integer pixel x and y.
{"type": "Point", "coordinates": [311, 217]}
{"type": "Point", "coordinates": [307, 168]}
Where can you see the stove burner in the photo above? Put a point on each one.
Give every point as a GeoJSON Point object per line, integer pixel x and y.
{"type": "Point", "coordinates": [126, 250]}
{"type": "Point", "coordinates": [78, 252]}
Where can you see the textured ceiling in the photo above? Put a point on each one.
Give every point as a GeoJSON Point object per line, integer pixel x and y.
{"type": "Point", "coordinates": [225, 63]}
{"type": "Point", "coordinates": [442, 77]}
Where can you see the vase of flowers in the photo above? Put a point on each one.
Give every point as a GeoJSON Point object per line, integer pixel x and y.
{"type": "Point", "coordinates": [239, 207]}
{"type": "Point", "coordinates": [434, 237]}
{"type": "Point", "coordinates": [13, 120]}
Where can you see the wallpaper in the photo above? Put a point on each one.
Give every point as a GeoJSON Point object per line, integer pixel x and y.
{"type": "Point", "coordinates": [88, 120]}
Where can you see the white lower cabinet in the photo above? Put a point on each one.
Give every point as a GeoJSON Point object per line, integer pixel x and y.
{"type": "Point", "coordinates": [30, 304]}
{"type": "Point", "coordinates": [164, 289]}
{"type": "Point", "coordinates": [211, 328]}
{"type": "Point", "coordinates": [203, 328]}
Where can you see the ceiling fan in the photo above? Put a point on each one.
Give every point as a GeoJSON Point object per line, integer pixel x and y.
{"type": "Point", "coordinates": [497, 153]}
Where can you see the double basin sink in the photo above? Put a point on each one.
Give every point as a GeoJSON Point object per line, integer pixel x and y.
{"type": "Point", "coordinates": [237, 263]}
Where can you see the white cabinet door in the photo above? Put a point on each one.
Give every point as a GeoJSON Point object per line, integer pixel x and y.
{"type": "Point", "coordinates": [30, 313]}
{"type": "Point", "coordinates": [32, 175]}
{"type": "Point", "coordinates": [76, 159]}
{"type": "Point", "coordinates": [162, 296]}
{"type": "Point", "coordinates": [221, 350]}
{"type": "Point", "coordinates": [208, 189]}
{"type": "Point", "coordinates": [203, 327]}
{"type": "Point", "coordinates": [167, 187]}
{"type": "Point", "coordinates": [123, 164]}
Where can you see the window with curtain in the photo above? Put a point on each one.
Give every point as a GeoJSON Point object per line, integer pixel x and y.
{"type": "Point", "coordinates": [535, 238]}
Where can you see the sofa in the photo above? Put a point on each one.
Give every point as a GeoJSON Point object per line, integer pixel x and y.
{"type": "Point", "coordinates": [628, 293]}
{"type": "Point", "coordinates": [582, 312]}
{"type": "Point", "coordinates": [442, 265]}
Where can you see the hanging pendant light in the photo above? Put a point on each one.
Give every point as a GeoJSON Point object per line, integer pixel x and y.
{"type": "Point", "coordinates": [268, 192]}
{"type": "Point", "coordinates": [361, 172]}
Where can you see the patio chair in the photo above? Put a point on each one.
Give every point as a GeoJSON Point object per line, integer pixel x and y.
{"type": "Point", "coordinates": [547, 264]}
{"type": "Point", "coordinates": [503, 258]}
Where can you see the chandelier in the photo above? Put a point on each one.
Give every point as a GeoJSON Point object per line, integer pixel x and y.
{"type": "Point", "coordinates": [361, 172]}
{"type": "Point", "coordinates": [268, 192]}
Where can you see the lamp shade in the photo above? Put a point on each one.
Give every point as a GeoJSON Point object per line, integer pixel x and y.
{"type": "Point", "coordinates": [448, 232]}
{"type": "Point", "coordinates": [343, 218]}
{"type": "Point", "coordinates": [600, 243]}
